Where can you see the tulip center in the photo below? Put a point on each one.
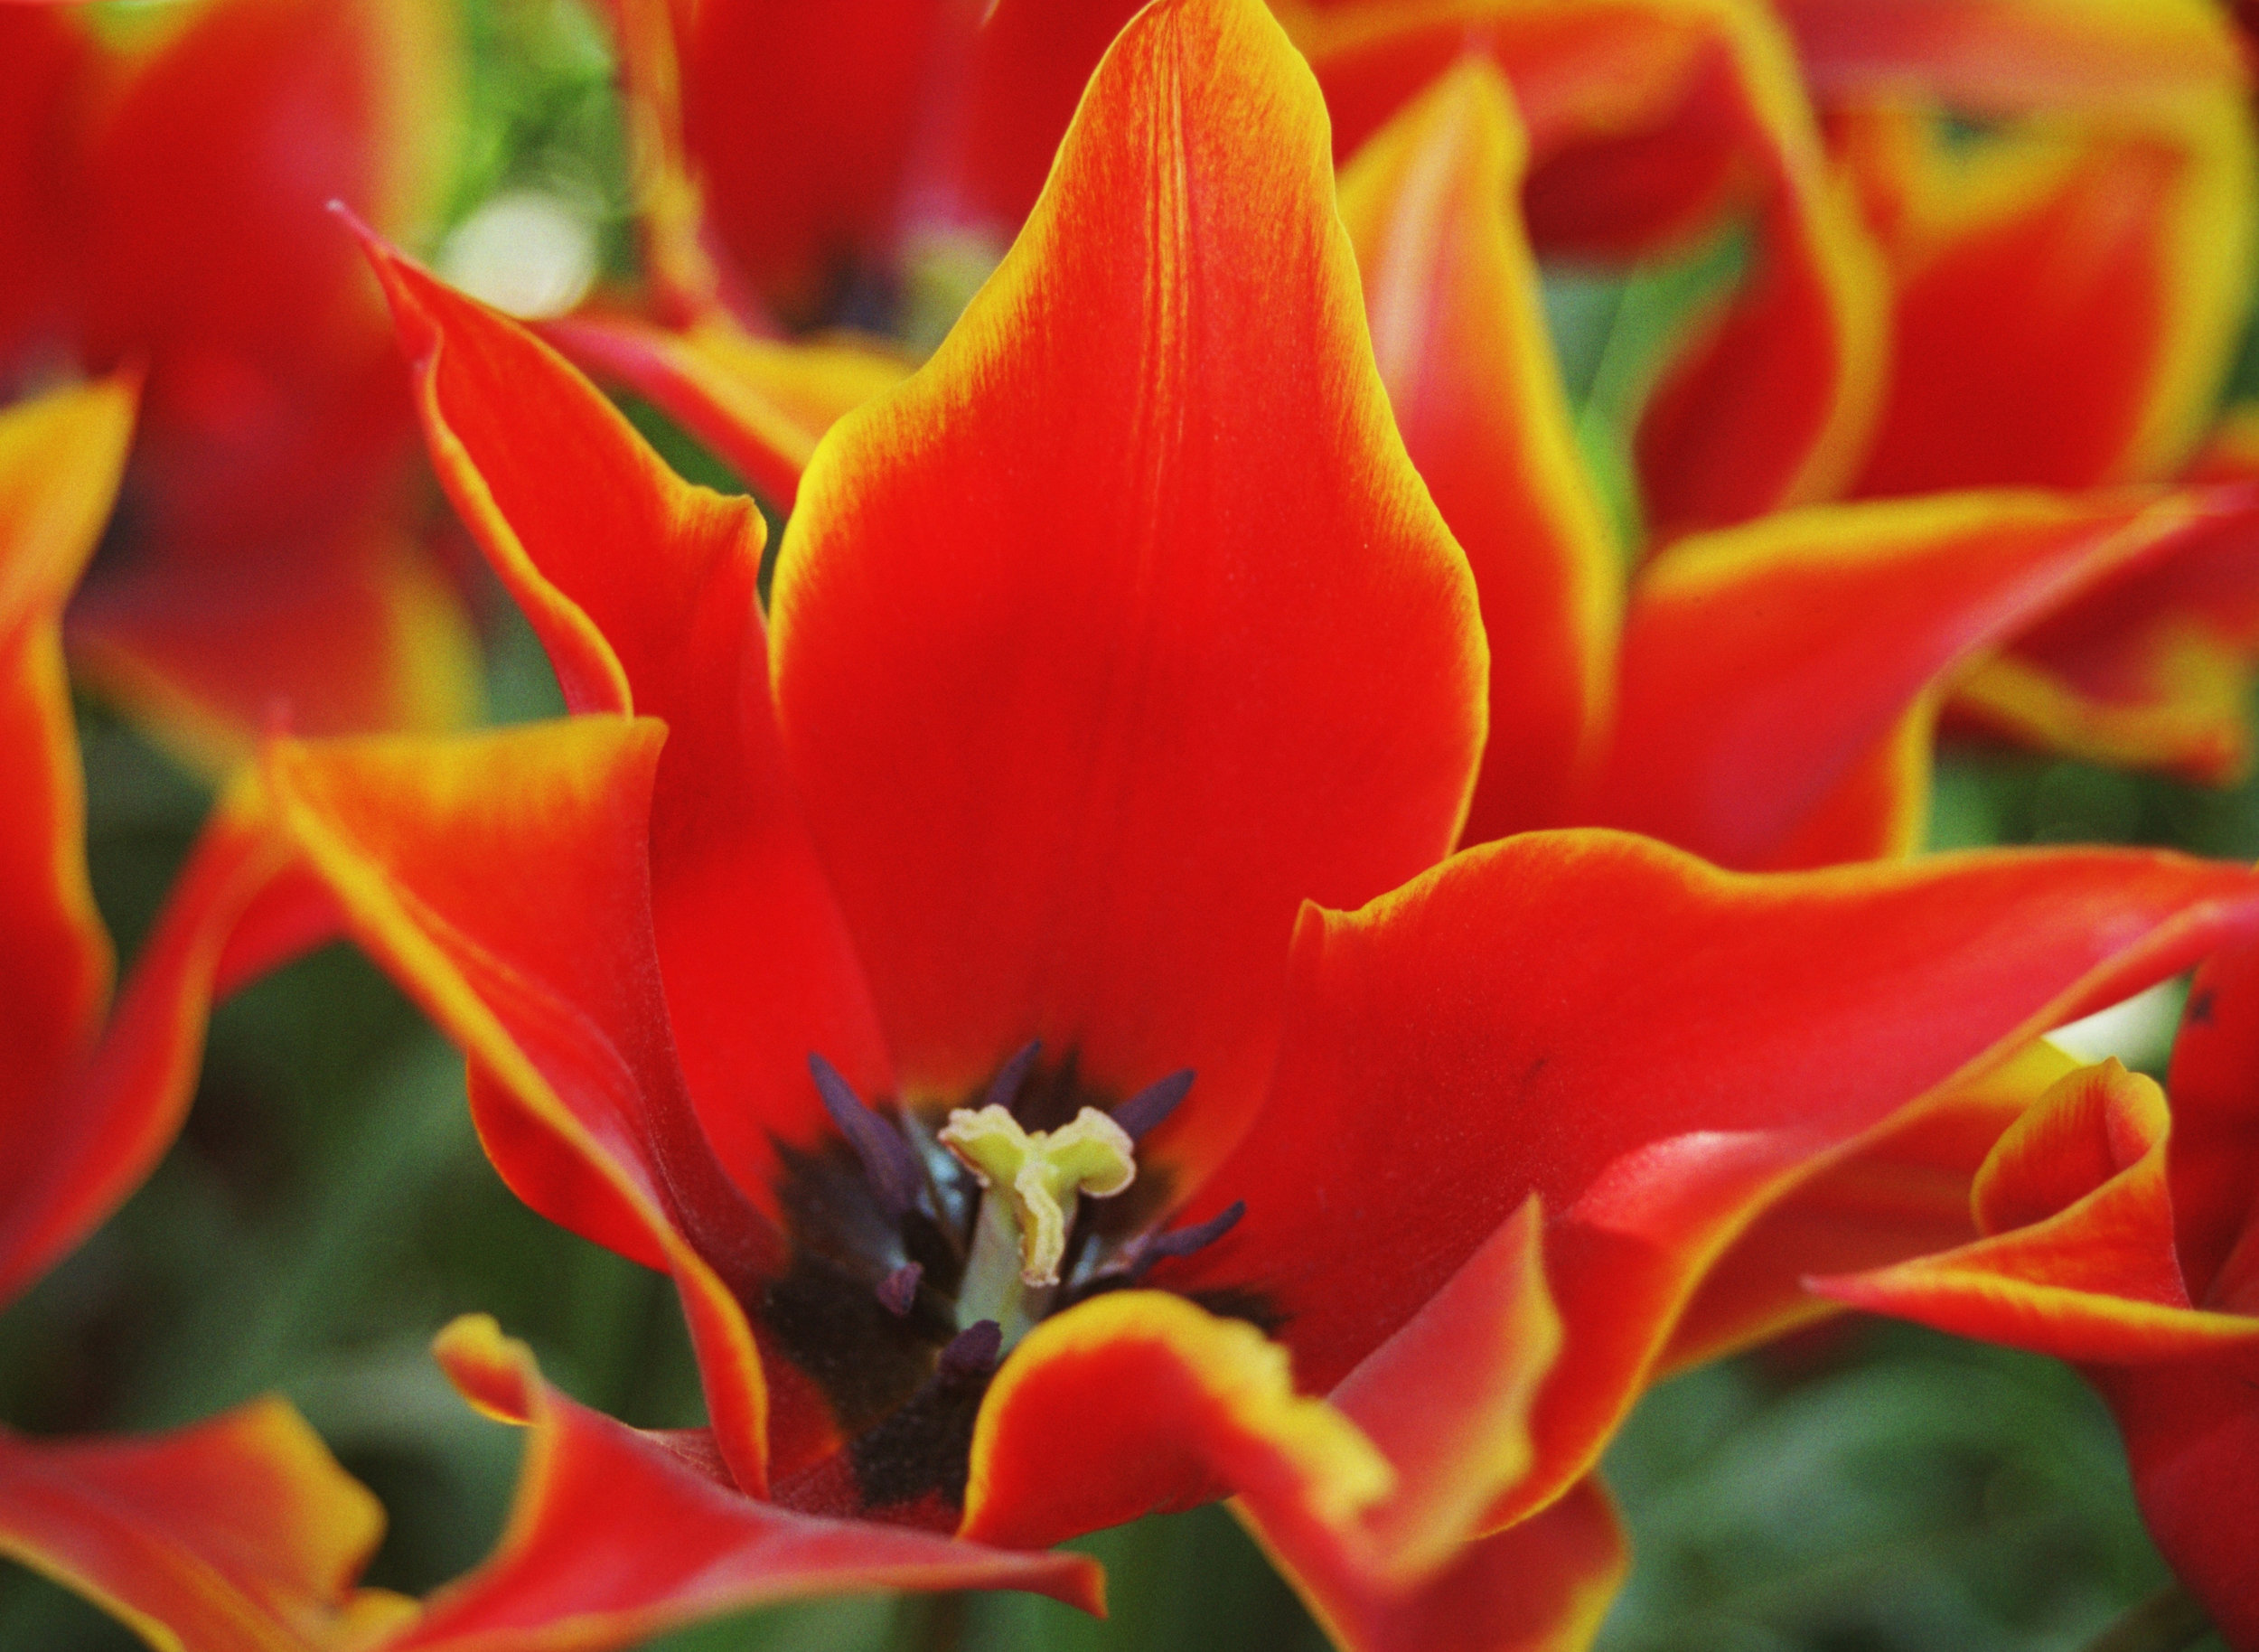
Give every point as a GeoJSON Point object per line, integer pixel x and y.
{"type": "Point", "coordinates": [1030, 1181]}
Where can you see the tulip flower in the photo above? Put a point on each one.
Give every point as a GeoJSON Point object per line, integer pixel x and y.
{"type": "Point", "coordinates": [2122, 1234]}
{"type": "Point", "coordinates": [161, 211]}
{"type": "Point", "coordinates": [1030, 1004]}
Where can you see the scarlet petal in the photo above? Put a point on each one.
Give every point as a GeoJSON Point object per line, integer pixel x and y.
{"type": "Point", "coordinates": [1452, 289]}
{"type": "Point", "coordinates": [1658, 1050]}
{"type": "Point", "coordinates": [1654, 123]}
{"type": "Point", "coordinates": [759, 403]}
{"type": "Point", "coordinates": [504, 880]}
{"type": "Point", "coordinates": [618, 1534]}
{"type": "Point", "coordinates": [46, 60]}
{"type": "Point", "coordinates": [60, 460]}
{"type": "Point", "coordinates": [1076, 725]}
{"type": "Point", "coordinates": [642, 588]}
{"type": "Point", "coordinates": [239, 1535]}
{"type": "Point", "coordinates": [1780, 681]}
{"type": "Point", "coordinates": [2064, 306]}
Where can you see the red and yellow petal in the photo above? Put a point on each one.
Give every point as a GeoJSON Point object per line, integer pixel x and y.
{"type": "Point", "coordinates": [1126, 624]}
{"type": "Point", "coordinates": [504, 879]}
{"type": "Point", "coordinates": [2067, 283]}
{"type": "Point", "coordinates": [1654, 123]}
{"type": "Point", "coordinates": [760, 404]}
{"type": "Point", "coordinates": [1497, 1030]}
{"type": "Point", "coordinates": [61, 457]}
{"type": "Point", "coordinates": [617, 1535]}
{"type": "Point", "coordinates": [642, 588]}
{"type": "Point", "coordinates": [1780, 681]}
{"type": "Point", "coordinates": [1459, 328]}
{"type": "Point", "coordinates": [238, 1535]}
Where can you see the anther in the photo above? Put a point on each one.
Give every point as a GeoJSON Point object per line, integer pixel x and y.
{"type": "Point", "coordinates": [1144, 1111]}
{"type": "Point", "coordinates": [971, 1352]}
{"type": "Point", "coordinates": [899, 1289]}
{"type": "Point", "coordinates": [1004, 1088]}
{"type": "Point", "coordinates": [889, 1164]}
{"type": "Point", "coordinates": [1185, 1241]}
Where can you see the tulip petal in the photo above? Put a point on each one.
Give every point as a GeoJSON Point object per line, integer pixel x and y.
{"type": "Point", "coordinates": [1494, 1029]}
{"type": "Point", "coordinates": [356, 632]}
{"type": "Point", "coordinates": [618, 1535]}
{"type": "Point", "coordinates": [1653, 122]}
{"type": "Point", "coordinates": [642, 588]}
{"type": "Point", "coordinates": [1902, 1193]}
{"type": "Point", "coordinates": [2066, 282]}
{"type": "Point", "coordinates": [504, 880]}
{"type": "Point", "coordinates": [1543, 1585]}
{"type": "Point", "coordinates": [46, 59]}
{"type": "Point", "coordinates": [61, 457]}
{"type": "Point", "coordinates": [1451, 291]}
{"type": "Point", "coordinates": [1075, 724]}
{"type": "Point", "coordinates": [1780, 681]}
{"type": "Point", "coordinates": [758, 403]}
{"type": "Point", "coordinates": [1137, 1402]}
{"type": "Point", "coordinates": [273, 411]}
{"type": "Point", "coordinates": [237, 1534]}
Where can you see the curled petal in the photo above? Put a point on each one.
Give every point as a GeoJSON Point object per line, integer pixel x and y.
{"type": "Point", "coordinates": [238, 1535]}
{"type": "Point", "coordinates": [617, 1535]}
{"type": "Point", "coordinates": [1126, 623]}
{"type": "Point", "coordinates": [1494, 1029]}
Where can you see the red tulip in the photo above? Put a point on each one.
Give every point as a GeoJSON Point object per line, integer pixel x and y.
{"type": "Point", "coordinates": [1124, 700]}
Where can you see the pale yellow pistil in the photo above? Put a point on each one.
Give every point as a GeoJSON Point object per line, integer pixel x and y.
{"type": "Point", "coordinates": [1033, 1179]}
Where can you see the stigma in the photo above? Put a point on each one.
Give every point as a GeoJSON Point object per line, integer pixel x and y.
{"type": "Point", "coordinates": [1033, 1178]}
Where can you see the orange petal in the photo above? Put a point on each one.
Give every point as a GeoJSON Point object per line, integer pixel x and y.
{"type": "Point", "coordinates": [758, 403]}
{"type": "Point", "coordinates": [1781, 679]}
{"type": "Point", "coordinates": [61, 457]}
{"type": "Point", "coordinates": [618, 1535]}
{"type": "Point", "coordinates": [1451, 290]}
{"type": "Point", "coordinates": [1653, 122]}
{"type": "Point", "coordinates": [642, 588]}
{"type": "Point", "coordinates": [504, 880]}
{"type": "Point", "coordinates": [238, 1535]}
{"type": "Point", "coordinates": [1075, 724]}
{"type": "Point", "coordinates": [1659, 1051]}
{"type": "Point", "coordinates": [2066, 282]}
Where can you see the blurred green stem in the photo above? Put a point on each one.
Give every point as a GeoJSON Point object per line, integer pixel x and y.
{"type": "Point", "coordinates": [2167, 1621]}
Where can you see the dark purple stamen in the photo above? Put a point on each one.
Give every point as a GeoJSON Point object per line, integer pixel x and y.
{"type": "Point", "coordinates": [899, 1289]}
{"type": "Point", "coordinates": [1142, 1112]}
{"type": "Point", "coordinates": [1005, 1087]}
{"type": "Point", "coordinates": [971, 1352]}
{"type": "Point", "coordinates": [889, 1164]}
{"type": "Point", "coordinates": [1185, 1241]}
